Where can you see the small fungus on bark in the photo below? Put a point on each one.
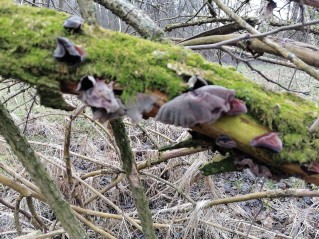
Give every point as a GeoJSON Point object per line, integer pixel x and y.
{"type": "Point", "coordinates": [312, 168]}
{"type": "Point", "coordinates": [269, 140]}
{"type": "Point", "coordinates": [203, 105]}
{"type": "Point", "coordinates": [237, 107]}
{"type": "Point", "coordinates": [256, 169]}
{"type": "Point", "coordinates": [98, 95]}
{"type": "Point", "coordinates": [225, 141]}
{"type": "Point", "coordinates": [67, 52]}
{"type": "Point", "coordinates": [73, 23]}
{"type": "Point", "coordinates": [196, 82]}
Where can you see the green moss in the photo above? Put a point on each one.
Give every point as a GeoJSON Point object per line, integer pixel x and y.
{"type": "Point", "coordinates": [28, 39]}
{"type": "Point", "coordinates": [219, 164]}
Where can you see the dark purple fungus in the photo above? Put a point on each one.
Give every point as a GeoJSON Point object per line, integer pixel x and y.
{"type": "Point", "coordinates": [67, 52]}
{"type": "Point", "coordinates": [269, 140]}
{"type": "Point", "coordinates": [203, 105]}
{"type": "Point", "coordinates": [196, 82]}
{"type": "Point", "coordinates": [73, 23]}
{"type": "Point", "coordinates": [98, 95]}
{"type": "Point", "coordinates": [225, 141]}
{"type": "Point", "coordinates": [237, 107]}
{"type": "Point", "coordinates": [256, 169]}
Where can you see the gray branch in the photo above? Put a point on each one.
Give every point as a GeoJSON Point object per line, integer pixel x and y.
{"type": "Point", "coordinates": [135, 17]}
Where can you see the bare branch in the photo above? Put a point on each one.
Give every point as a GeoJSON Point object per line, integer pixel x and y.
{"type": "Point", "coordinates": [284, 52]}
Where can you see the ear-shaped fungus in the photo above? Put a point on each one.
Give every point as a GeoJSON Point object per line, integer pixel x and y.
{"type": "Point", "coordinates": [237, 107]}
{"type": "Point", "coordinates": [269, 140]}
{"type": "Point", "coordinates": [203, 105]}
{"type": "Point", "coordinates": [73, 23]}
{"type": "Point", "coordinates": [100, 97]}
{"type": "Point", "coordinates": [225, 141]}
{"type": "Point", "coordinates": [67, 52]}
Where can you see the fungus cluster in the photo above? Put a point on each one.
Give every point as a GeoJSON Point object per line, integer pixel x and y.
{"type": "Point", "coordinates": [206, 104]}
{"type": "Point", "coordinates": [202, 105]}
{"type": "Point", "coordinates": [95, 92]}
{"type": "Point", "coordinates": [105, 106]}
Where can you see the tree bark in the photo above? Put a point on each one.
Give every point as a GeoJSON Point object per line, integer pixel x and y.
{"type": "Point", "coordinates": [130, 14]}
{"type": "Point", "coordinates": [129, 166]}
{"type": "Point", "coordinates": [88, 11]}
{"type": "Point", "coordinates": [304, 51]}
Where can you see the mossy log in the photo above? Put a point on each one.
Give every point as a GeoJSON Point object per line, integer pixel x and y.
{"type": "Point", "coordinates": [28, 39]}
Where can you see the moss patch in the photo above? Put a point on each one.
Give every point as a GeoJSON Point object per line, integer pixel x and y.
{"type": "Point", "coordinates": [28, 39]}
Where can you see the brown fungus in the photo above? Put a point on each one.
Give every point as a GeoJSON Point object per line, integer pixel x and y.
{"type": "Point", "coordinates": [73, 23]}
{"type": "Point", "coordinates": [269, 140]}
{"type": "Point", "coordinates": [67, 52]}
{"type": "Point", "coordinates": [256, 169]}
{"type": "Point", "coordinates": [203, 105]}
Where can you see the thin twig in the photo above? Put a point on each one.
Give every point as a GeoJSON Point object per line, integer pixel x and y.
{"type": "Point", "coordinates": [284, 52]}
{"type": "Point", "coordinates": [227, 229]}
{"type": "Point", "coordinates": [67, 143]}
{"type": "Point", "coordinates": [34, 214]}
{"type": "Point", "coordinates": [249, 36]}
{"type": "Point", "coordinates": [148, 135]}
{"type": "Point", "coordinates": [8, 205]}
{"type": "Point", "coordinates": [119, 179]}
{"type": "Point", "coordinates": [197, 12]}
{"type": "Point", "coordinates": [94, 227]}
{"type": "Point", "coordinates": [188, 198]}
{"type": "Point", "coordinates": [16, 215]}
{"type": "Point", "coordinates": [246, 61]}
{"type": "Point", "coordinates": [15, 94]}
{"type": "Point", "coordinates": [50, 234]}
{"type": "Point", "coordinates": [110, 215]}
{"type": "Point", "coordinates": [29, 111]}
{"type": "Point", "coordinates": [267, 194]}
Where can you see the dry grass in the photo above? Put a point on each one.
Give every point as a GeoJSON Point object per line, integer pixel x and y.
{"type": "Point", "coordinates": [93, 150]}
